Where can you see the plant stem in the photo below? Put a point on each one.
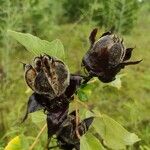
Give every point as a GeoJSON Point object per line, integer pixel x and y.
{"type": "Point", "coordinates": [36, 139]}
{"type": "Point", "coordinates": [77, 118]}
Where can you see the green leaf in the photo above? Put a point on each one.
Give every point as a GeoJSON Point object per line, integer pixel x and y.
{"type": "Point", "coordinates": [25, 142]}
{"type": "Point", "coordinates": [18, 143]}
{"type": "Point", "coordinates": [90, 142]}
{"type": "Point", "coordinates": [114, 135]}
{"type": "Point", "coordinates": [117, 82]}
{"type": "Point", "coordinates": [37, 46]}
{"type": "Point", "coordinates": [38, 117]}
{"type": "Point", "coordinates": [14, 144]}
{"type": "Point", "coordinates": [85, 113]}
{"type": "Point", "coordinates": [85, 92]}
{"type": "Point", "coordinates": [82, 95]}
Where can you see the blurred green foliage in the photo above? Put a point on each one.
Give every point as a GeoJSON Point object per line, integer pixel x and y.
{"type": "Point", "coordinates": [49, 20]}
{"type": "Point", "coordinates": [121, 14]}
{"type": "Point", "coordinates": [118, 14]}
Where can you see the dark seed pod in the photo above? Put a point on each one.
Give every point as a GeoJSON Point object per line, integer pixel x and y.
{"type": "Point", "coordinates": [67, 135]}
{"type": "Point", "coordinates": [48, 76]}
{"type": "Point", "coordinates": [55, 119]}
{"type": "Point", "coordinates": [107, 56]}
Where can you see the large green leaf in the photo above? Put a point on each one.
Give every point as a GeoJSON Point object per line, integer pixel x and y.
{"type": "Point", "coordinates": [114, 135]}
{"type": "Point", "coordinates": [90, 142]}
{"type": "Point", "coordinates": [37, 46]}
{"type": "Point", "coordinates": [38, 117]}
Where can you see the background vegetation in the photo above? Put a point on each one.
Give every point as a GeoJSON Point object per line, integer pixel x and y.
{"type": "Point", "coordinates": [71, 22]}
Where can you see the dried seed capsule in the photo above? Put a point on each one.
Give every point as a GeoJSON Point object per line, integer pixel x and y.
{"type": "Point", "coordinates": [106, 57]}
{"type": "Point", "coordinates": [47, 76]}
{"type": "Point", "coordinates": [67, 135]}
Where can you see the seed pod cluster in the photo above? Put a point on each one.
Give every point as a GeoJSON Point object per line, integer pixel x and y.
{"type": "Point", "coordinates": [54, 86]}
